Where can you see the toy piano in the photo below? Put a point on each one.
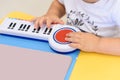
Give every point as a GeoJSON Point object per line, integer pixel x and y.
{"type": "Point", "coordinates": [55, 35]}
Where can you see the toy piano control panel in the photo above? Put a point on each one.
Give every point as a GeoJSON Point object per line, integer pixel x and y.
{"type": "Point", "coordinates": [55, 35]}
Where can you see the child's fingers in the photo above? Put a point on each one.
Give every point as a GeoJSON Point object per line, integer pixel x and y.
{"type": "Point", "coordinates": [49, 22]}
{"type": "Point", "coordinates": [58, 21]}
{"type": "Point", "coordinates": [76, 45]}
{"type": "Point", "coordinates": [36, 24]}
{"type": "Point", "coordinates": [39, 22]}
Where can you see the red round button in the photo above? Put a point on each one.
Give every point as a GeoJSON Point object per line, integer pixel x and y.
{"type": "Point", "coordinates": [61, 34]}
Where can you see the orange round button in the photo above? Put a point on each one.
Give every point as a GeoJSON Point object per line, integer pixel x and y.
{"type": "Point", "coordinates": [60, 35]}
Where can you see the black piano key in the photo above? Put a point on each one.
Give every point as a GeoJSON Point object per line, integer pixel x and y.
{"type": "Point", "coordinates": [10, 25]}
{"type": "Point", "coordinates": [38, 30]}
{"type": "Point", "coordinates": [20, 27]}
{"type": "Point", "coordinates": [45, 31]}
{"type": "Point", "coordinates": [24, 27]}
{"type": "Point", "coordinates": [34, 30]}
{"type": "Point", "coordinates": [50, 30]}
{"type": "Point", "coordinates": [27, 28]}
{"type": "Point", "coordinates": [13, 25]}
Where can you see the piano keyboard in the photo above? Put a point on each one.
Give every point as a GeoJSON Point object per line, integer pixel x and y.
{"type": "Point", "coordinates": [24, 28]}
{"type": "Point", "coordinates": [55, 35]}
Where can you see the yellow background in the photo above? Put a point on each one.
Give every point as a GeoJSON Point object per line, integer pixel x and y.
{"type": "Point", "coordinates": [96, 66]}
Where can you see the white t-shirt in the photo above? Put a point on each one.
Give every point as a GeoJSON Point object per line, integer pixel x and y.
{"type": "Point", "coordinates": [101, 18]}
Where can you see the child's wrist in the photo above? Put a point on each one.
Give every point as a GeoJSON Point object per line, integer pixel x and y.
{"type": "Point", "coordinates": [98, 45]}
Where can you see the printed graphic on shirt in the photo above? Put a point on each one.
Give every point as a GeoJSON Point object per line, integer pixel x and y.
{"type": "Point", "coordinates": [81, 21]}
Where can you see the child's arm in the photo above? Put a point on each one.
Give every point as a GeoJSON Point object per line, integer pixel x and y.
{"type": "Point", "coordinates": [90, 43]}
{"type": "Point", "coordinates": [53, 15]}
{"type": "Point", "coordinates": [109, 46]}
{"type": "Point", "coordinates": [56, 9]}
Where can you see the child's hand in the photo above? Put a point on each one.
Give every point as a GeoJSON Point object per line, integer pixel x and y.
{"type": "Point", "coordinates": [83, 41]}
{"type": "Point", "coordinates": [46, 19]}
